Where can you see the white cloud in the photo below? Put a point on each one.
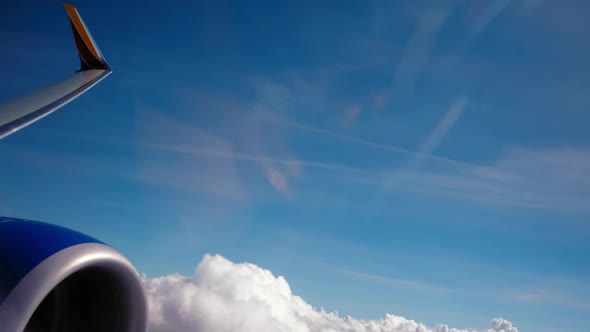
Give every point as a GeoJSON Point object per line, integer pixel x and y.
{"type": "Point", "coordinates": [224, 296]}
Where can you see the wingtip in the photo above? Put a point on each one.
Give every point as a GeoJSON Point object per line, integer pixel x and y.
{"type": "Point", "coordinates": [69, 7]}
{"type": "Point", "coordinates": [90, 55]}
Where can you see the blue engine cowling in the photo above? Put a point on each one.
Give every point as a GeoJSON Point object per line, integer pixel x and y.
{"type": "Point", "coordinates": [53, 279]}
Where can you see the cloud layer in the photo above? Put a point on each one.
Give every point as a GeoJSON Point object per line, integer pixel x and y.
{"type": "Point", "coordinates": [224, 296]}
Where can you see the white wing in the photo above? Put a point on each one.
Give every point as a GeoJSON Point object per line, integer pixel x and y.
{"type": "Point", "coordinates": [20, 112]}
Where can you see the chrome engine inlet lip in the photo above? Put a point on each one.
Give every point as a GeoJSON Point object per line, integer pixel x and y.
{"type": "Point", "coordinates": [20, 304]}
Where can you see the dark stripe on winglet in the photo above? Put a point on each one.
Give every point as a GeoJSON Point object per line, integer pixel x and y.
{"type": "Point", "coordinates": [87, 59]}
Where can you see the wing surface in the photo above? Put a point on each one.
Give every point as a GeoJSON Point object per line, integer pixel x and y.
{"type": "Point", "coordinates": [22, 111]}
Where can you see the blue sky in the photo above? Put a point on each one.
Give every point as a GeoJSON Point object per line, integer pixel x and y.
{"type": "Point", "coordinates": [428, 159]}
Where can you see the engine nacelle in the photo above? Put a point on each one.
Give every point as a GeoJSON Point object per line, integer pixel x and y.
{"type": "Point", "coordinates": [57, 280]}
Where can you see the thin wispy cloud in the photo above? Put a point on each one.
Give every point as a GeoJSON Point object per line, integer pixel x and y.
{"type": "Point", "coordinates": [537, 296]}
{"type": "Point", "coordinates": [482, 14]}
{"type": "Point", "coordinates": [484, 17]}
{"type": "Point", "coordinates": [552, 297]}
{"type": "Point", "coordinates": [431, 142]}
{"type": "Point", "coordinates": [444, 126]}
{"type": "Point", "coordinates": [545, 179]}
{"type": "Point", "coordinates": [397, 282]}
{"type": "Point", "coordinates": [294, 166]}
{"type": "Point", "coordinates": [529, 178]}
{"type": "Point", "coordinates": [218, 178]}
{"type": "Point", "coordinates": [413, 57]}
{"type": "Point", "coordinates": [351, 115]}
{"type": "Point", "coordinates": [263, 136]}
{"type": "Point", "coordinates": [365, 142]}
{"type": "Point", "coordinates": [436, 137]}
{"type": "Point", "coordinates": [418, 51]}
{"type": "Point", "coordinates": [278, 180]}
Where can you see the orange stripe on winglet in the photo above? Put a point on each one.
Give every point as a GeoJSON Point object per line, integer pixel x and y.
{"type": "Point", "coordinates": [77, 21]}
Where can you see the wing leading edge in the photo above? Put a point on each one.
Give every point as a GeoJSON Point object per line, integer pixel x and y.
{"type": "Point", "coordinates": [21, 112]}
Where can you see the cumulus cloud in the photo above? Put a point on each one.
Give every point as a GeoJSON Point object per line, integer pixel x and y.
{"type": "Point", "coordinates": [224, 296]}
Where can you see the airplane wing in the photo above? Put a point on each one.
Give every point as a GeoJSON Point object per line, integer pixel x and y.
{"type": "Point", "coordinates": [21, 112]}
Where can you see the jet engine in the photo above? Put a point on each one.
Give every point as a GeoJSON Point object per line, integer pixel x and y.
{"type": "Point", "coordinates": [53, 279]}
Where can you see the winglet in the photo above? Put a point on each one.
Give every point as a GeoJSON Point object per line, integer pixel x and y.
{"type": "Point", "coordinates": [90, 55]}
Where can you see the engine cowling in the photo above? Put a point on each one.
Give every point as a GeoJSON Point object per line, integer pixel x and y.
{"type": "Point", "coordinates": [53, 279]}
